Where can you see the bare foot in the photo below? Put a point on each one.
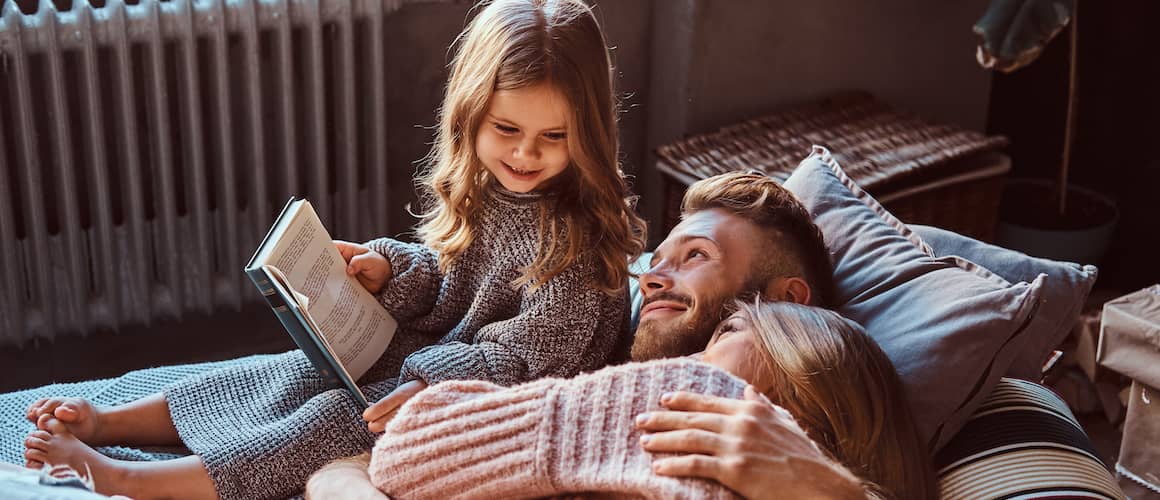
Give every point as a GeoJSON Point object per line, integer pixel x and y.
{"type": "Point", "coordinates": [81, 417]}
{"type": "Point", "coordinates": [36, 440]}
{"type": "Point", "coordinates": [55, 445]}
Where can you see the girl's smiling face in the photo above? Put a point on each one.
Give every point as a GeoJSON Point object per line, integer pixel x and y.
{"type": "Point", "coordinates": [523, 140]}
{"type": "Point", "coordinates": [733, 348]}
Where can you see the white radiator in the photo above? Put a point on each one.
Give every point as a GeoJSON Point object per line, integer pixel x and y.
{"type": "Point", "coordinates": [145, 149]}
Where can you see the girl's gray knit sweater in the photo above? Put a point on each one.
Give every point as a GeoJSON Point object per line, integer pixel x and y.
{"type": "Point", "coordinates": [263, 428]}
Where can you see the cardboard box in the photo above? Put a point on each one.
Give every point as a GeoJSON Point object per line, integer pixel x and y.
{"type": "Point", "coordinates": [1087, 338]}
{"type": "Point", "coordinates": [1138, 467]}
{"type": "Point", "coordinates": [1130, 336]}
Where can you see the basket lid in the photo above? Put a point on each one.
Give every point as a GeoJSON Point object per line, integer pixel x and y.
{"type": "Point", "coordinates": [873, 142]}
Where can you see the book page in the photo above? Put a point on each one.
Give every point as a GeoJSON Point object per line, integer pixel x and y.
{"type": "Point", "coordinates": [357, 328]}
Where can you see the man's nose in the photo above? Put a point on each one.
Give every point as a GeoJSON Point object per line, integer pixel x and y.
{"type": "Point", "coordinates": [656, 279]}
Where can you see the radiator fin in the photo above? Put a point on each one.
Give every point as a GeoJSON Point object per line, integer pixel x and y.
{"type": "Point", "coordinates": [145, 148]}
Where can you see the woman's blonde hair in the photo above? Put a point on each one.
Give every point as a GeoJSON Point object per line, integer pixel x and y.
{"type": "Point", "coordinates": [514, 44]}
{"type": "Point", "coordinates": [839, 385]}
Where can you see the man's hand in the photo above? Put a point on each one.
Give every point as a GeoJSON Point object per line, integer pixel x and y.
{"type": "Point", "coordinates": [344, 478]}
{"type": "Point", "coordinates": [369, 267]}
{"type": "Point", "coordinates": [379, 414]}
{"type": "Point", "coordinates": [751, 447]}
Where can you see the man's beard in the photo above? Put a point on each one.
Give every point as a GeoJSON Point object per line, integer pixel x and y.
{"type": "Point", "coordinates": [660, 339]}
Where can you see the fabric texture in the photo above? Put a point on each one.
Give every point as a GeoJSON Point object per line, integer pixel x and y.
{"type": "Point", "coordinates": [1023, 442]}
{"type": "Point", "coordinates": [1139, 462]}
{"type": "Point", "coordinates": [950, 327]}
{"type": "Point", "coordinates": [28, 484]}
{"type": "Point", "coordinates": [263, 428]}
{"type": "Point", "coordinates": [491, 330]}
{"type": "Point", "coordinates": [131, 386]}
{"type": "Point", "coordinates": [1129, 341]}
{"type": "Point", "coordinates": [469, 439]}
{"type": "Point", "coordinates": [635, 298]}
{"type": "Point", "coordinates": [1066, 287]}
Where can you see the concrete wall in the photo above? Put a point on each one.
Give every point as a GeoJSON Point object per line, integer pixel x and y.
{"type": "Point", "coordinates": [719, 61]}
{"type": "Point", "coordinates": [755, 55]}
{"type": "Point", "coordinates": [690, 66]}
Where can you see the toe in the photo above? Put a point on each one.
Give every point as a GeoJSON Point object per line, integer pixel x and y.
{"type": "Point", "coordinates": [50, 405]}
{"type": "Point", "coordinates": [42, 421]}
{"type": "Point", "coordinates": [34, 409]}
{"type": "Point", "coordinates": [54, 426]}
{"type": "Point", "coordinates": [37, 408]}
{"type": "Point", "coordinates": [66, 413]}
{"type": "Point", "coordinates": [32, 456]}
{"type": "Point", "coordinates": [33, 464]}
{"type": "Point", "coordinates": [35, 443]}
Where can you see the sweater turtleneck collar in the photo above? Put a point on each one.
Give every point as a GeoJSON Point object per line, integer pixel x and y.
{"type": "Point", "coordinates": [509, 197]}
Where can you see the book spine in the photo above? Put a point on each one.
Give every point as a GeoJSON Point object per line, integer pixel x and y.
{"type": "Point", "coordinates": [294, 326]}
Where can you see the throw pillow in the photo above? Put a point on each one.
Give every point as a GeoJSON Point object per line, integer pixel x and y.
{"type": "Point", "coordinates": [1065, 290]}
{"type": "Point", "coordinates": [949, 326]}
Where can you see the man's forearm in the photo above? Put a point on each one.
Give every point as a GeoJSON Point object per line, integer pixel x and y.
{"type": "Point", "coordinates": [344, 478]}
{"type": "Point", "coordinates": [829, 480]}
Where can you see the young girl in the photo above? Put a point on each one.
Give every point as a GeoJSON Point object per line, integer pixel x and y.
{"type": "Point", "coordinates": [824, 369]}
{"type": "Point", "coordinates": [522, 275]}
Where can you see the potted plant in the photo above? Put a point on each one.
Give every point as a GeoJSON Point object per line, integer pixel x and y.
{"type": "Point", "coordinates": [1046, 218]}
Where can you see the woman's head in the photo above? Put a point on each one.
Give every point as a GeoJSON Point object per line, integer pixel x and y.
{"type": "Point", "coordinates": [837, 383]}
{"type": "Point", "coordinates": [530, 106]}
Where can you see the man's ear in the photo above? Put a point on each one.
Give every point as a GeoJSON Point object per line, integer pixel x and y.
{"type": "Point", "coordinates": [789, 289]}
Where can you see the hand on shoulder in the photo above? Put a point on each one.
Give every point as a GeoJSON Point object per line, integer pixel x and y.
{"type": "Point", "coordinates": [750, 446]}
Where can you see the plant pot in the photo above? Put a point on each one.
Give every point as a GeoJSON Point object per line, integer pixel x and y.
{"type": "Point", "coordinates": [1029, 221]}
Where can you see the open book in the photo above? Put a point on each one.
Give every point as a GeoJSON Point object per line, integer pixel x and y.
{"type": "Point", "coordinates": [336, 322]}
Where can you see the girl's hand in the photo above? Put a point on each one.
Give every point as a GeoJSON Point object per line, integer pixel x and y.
{"type": "Point", "coordinates": [369, 267]}
{"type": "Point", "coordinates": [379, 414]}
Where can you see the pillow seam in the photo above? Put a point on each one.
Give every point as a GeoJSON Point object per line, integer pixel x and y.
{"type": "Point", "coordinates": [827, 158]}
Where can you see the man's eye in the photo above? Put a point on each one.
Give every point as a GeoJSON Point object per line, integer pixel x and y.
{"type": "Point", "coordinates": [697, 253]}
{"type": "Point", "coordinates": [506, 129]}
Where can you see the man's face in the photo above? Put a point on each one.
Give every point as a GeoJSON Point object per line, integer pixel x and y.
{"type": "Point", "coordinates": [694, 273]}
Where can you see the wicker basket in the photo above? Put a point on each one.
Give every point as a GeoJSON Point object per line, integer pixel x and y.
{"type": "Point", "coordinates": [922, 172]}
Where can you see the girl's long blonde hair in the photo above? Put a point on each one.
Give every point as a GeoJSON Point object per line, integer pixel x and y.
{"type": "Point", "coordinates": [514, 44]}
{"type": "Point", "coordinates": [845, 393]}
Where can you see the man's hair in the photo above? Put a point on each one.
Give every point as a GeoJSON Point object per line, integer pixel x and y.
{"type": "Point", "coordinates": [793, 245]}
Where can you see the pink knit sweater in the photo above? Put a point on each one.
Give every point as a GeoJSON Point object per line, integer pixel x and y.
{"type": "Point", "coordinates": [471, 439]}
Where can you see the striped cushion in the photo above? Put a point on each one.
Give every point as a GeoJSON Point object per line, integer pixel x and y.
{"type": "Point", "coordinates": [1023, 442]}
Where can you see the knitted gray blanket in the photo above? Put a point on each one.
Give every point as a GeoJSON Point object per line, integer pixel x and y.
{"type": "Point", "coordinates": [128, 387]}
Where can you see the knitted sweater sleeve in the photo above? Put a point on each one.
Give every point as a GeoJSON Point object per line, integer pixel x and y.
{"type": "Point", "coordinates": [548, 437]}
{"type": "Point", "coordinates": [415, 278]}
{"type": "Point", "coordinates": [548, 337]}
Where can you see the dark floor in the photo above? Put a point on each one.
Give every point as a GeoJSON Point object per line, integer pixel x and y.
{"type": "Point", "coordinates": [1104, 435]}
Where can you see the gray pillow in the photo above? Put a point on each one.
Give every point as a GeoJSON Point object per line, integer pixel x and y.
{"type": "Point", "coordinates": [950, 327]}
{"type": "Point", "coordinates": [635, 298]}
{"type": "Point", "coordinates": [1065, 290]}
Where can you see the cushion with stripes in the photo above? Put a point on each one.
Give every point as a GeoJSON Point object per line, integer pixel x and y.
{"type": "Point", "coordinates": [1023, 442]}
